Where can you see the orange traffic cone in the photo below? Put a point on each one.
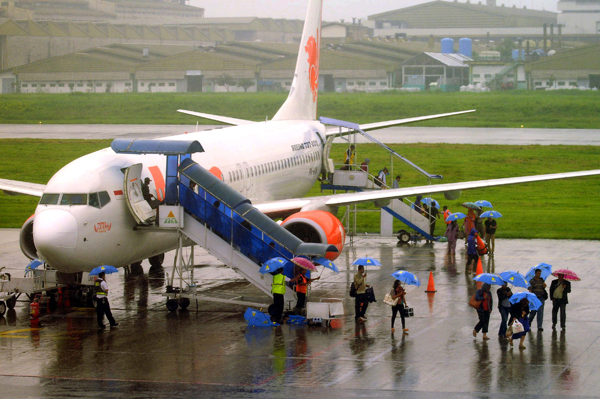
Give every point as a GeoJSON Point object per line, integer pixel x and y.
{"type": "Point", "coordinates": [431, 284]}
{"type": "Point", "coordinates": [479, 267]}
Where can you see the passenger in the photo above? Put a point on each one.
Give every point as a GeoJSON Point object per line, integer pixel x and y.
{"type": "Point", "coordinates": [490, 234]}
{"type": "Point", "coordinates": [434, 215]}
{"type": "Point", "coordinates": [472, 254]}
{"type": "Point", "coordinates": [479, 224]}
{"type": "Point", "coordinates": [278, 291]}
{"type": "Point", "coordinates": [102, 305]}
{"type": "Point", "coordinates": [398, 292]}
{"type": "Point", "coordinates": [538, 287]}
{"type": "Point", "coordinates": [360, 302]}
{"type": "Point", "coordinates": [503, 307]}
{"type": "Point", "coordinates": [365, 165]}
{"type": "Point", "coordinates": [302, 283]}
{"type": "Point", "coordinates": [525, 322]}
{"type": "Point", "coordinates": [469, 222]}
{"type": "Point", "coordinates": [452, 235]}
{"type": "Point", "coordinates": [558, 294]}
{"type": "Point", "coordinates": [349, 158]}
{"type": "Point", "coordinates": [483, 295]}
{"type": "Point", "coordinates": [396, 182]}
{"type": "Point", "coordinates": [381, 179]}
{"type": "Point", "coordinates": [417, 204]}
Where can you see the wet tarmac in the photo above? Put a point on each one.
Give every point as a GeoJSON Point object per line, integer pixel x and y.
{"type": "Point", "coordinates": [395, 135]}
{"type": "Point", "coordinates": [209, 351]}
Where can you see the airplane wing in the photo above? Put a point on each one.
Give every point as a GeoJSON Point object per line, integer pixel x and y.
{"type": "Point", "coordinates": [283, 207]}
{"type": "Point", "coordinates": [13, 187]}
{"type": "Point", "coordinates": [380, 125]}
{"type": "Point", "coordinates": [218, 118]}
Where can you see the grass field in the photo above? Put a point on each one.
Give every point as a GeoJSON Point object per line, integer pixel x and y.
{"type": "Point", "coordinates": [556, 209]}
{"type": "Point", "coordinates": [555, 109]}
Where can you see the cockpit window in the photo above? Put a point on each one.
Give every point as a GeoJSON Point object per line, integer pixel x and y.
{"type": "Point", "coordinates": [104, 198]}
{"type": "Point", "coordinates": [94, 200]}
{"type": "Point", "coordinates": [49, 199]}
{"type": "Point", "coordinates": [74, 199]}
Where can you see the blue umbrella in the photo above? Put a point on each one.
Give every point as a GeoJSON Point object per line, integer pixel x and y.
{"type": "Point", "coordinates": [33, 265]}
{"type": "Point", "coordinates": [514, 278]}
{"type": "Point", "coordinates": [455, 216]}
{"type": "Point", "coordinates": [326, 263]}
{"type": "Point", "coordinates": [406, 278]}
{"type": "Point", "coordinates": [366, 261]}
{"type": "Point", "coordinates": [544, 267]}
{"type": "Point", "coordinates": [104, 268]}
{"type": "Point", "coordinates": [491, 214]}
{"type": "Point", "coordinates": [272, 264]}
{"type": "Point", "coordinates": [484, 204]}
{"type": "Point", "coordinates": [489, 278]}
{"type": "Point", "coordinates": [534, 302]}
{"type": "Point", "coordinates": [427, 201]}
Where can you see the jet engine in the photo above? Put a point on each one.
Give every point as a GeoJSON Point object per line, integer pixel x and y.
{"type": "Point", "coordinates": [26, 239]}
{"type": "Point", "coordinates": [317, 227]}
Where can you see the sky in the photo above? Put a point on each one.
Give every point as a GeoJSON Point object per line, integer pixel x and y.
{"type": "Point", "coordinates": [333, 10]}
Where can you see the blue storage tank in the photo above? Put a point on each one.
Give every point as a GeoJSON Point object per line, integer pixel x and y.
{"type": "Point", "coordinates": [515, 54]}
{"type": "Point", "coordinates": [465, 47]}
{"type": "Point", "coordinates": [447, 46]}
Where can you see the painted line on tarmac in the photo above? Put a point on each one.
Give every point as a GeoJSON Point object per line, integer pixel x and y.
{"type": "Point", "coordinates": [376, 358]}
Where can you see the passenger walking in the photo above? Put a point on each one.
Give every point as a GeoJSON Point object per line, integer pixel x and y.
{"type": "Point", "coordinates": [521, 335]}
{"type": "Point", "coordinates": [102, 305]}
{"type": "Point", "coordinates": [399, 293]}
{"type": "Point", "coordinates": [503, 293]}
{"type": "Point", "coordinates": [365, 165]}
{"type": "Point", "coordinates": [483, 295]}
{"type": "Point", "coordinates": [452, 235]}
{"type": "Point", "coordinates": [538, 287]}
{"type": "Point", "coordinates": [490, 234]}
{"type": "Point", "coordinates": [472, 254]}
{"type": "Point", "coordinates": [396, 182]}
{"type": "Point", "coordinates": [479, 224]}
{"type": "Point", "coordinates": [558, 294]}
{"type": "Point", "coordinates": [349, 159]}
{"type": "Point", "coordinates": [360, 302]}
{"type": "Point", "coordinates": [381, 179]}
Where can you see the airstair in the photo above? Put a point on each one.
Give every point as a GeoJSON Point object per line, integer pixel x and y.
{"type": "Point", "coordinates": [220, 220]}
{"type": "Point", "coordinates": [356, 179]}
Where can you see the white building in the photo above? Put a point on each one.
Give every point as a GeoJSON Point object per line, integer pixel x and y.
{"type": "Point", "coordinates": [581, 16]}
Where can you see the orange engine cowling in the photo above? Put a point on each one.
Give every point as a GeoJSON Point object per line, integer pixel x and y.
{"type": "Point", "coordinates": [317, 227]}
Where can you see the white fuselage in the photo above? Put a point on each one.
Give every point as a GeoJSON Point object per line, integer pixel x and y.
{"type": "Point", "coordinates": [264, 161]}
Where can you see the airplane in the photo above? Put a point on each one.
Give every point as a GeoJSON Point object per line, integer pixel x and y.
{"type": "Point", "coordinates": [89, 210]}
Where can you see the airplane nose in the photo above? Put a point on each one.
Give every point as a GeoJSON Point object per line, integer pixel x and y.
{"type": "Point", "coordinates": [55, 235]}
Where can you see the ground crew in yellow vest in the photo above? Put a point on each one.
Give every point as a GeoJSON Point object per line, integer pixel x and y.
{"type": "Point", "coordinates": [102, 305]}
{"type": "Point", "coordinates": [278, 291]}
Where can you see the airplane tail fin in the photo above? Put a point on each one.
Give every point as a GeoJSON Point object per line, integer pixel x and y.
{"type": "Point", "coordinates": [301, 103]}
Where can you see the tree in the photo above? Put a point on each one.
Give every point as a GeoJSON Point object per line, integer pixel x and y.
{"type": "Point", "coordinates": [245, 83]}
{"type": "Point", "coordinates": [226, 80]}
{"type": "Point", "coordinates": [506, 48]}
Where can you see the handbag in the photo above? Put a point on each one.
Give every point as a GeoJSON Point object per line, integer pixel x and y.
{"type": "Point", "coordinates": [509, 332]}
{"type": "Point", "coordinates": [517, 327]}
{"type": "Point", "coordinates": [460, 234]}
{"type": "Point", "coordinates": [370, 295]}
{"type": "Point", "coordinates": [474, 302]}
{"type": "Point", "coordinates": [387, 299]}
{"type": "Point", "coordinates": [408, 312]}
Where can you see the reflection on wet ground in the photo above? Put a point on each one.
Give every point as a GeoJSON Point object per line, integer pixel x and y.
{"type": "Point", "coordinates": [208, 349]}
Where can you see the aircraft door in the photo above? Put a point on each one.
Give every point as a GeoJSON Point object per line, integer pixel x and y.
{"type": "Point", "coordinates": [132, 185]}
{"type": "Point", "coordinates": [248, 176]}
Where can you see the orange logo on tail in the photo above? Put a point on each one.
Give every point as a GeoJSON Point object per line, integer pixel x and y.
{"type": "Point", "coordinates": [312, 48]}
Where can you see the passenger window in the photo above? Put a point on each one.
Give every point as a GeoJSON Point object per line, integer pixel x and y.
{"type": "Point", "coordinates": [94, 200]}
{"type": "Point", "coordinates": [104, 198]}
{"type": "Point", "coordinates": [49, 199]}
{"type": "Point", "coordinates": [74, 199]}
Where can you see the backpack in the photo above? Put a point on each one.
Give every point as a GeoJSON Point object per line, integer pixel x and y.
{"type": "Point", "coordinates": [353, 290]}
